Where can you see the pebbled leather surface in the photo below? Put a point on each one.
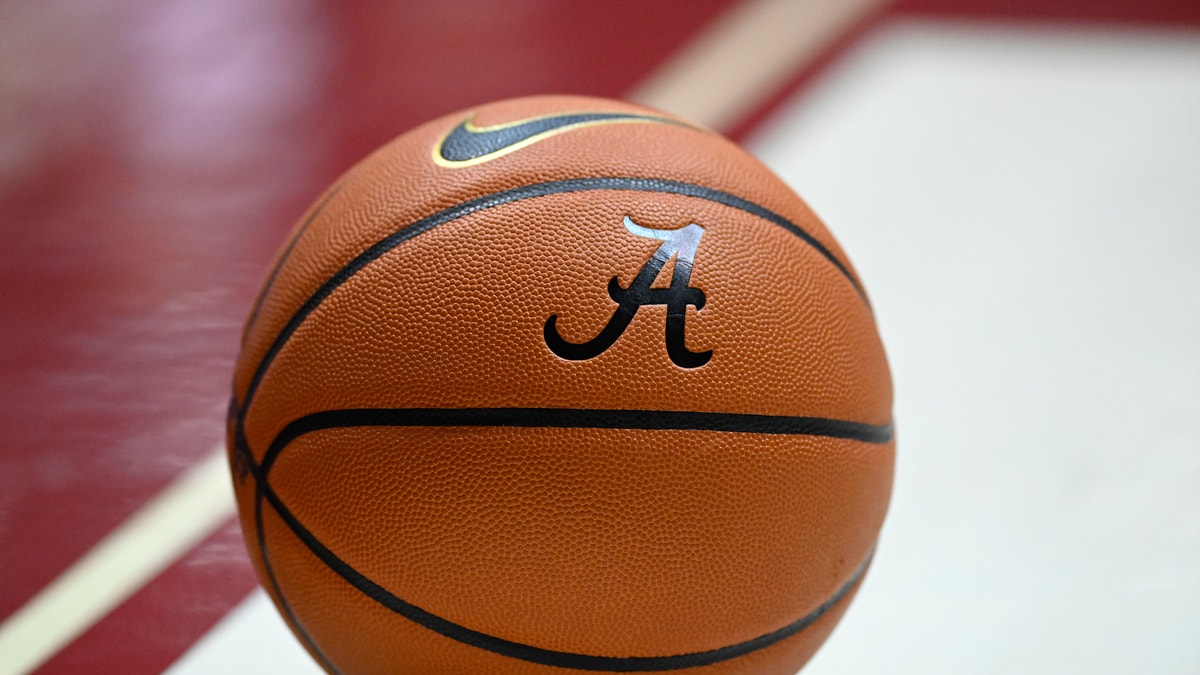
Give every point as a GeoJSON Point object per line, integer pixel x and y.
{"type": "Point", "coordinates": [596, 541]}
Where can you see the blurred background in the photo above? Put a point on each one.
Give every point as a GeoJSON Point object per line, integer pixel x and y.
{"type": "Point", "coordinates": [1017, 182]}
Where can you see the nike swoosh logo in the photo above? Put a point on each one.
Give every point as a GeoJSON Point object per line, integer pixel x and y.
{"type": "Point", "coordinates": [467, 144]}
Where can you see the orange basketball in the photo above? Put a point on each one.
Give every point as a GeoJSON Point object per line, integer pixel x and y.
{"type": "Point", "coordinates": [561, 385]}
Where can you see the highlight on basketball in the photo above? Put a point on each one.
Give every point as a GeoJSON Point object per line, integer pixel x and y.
{"type": "Point", "coordinates": [708, 337]}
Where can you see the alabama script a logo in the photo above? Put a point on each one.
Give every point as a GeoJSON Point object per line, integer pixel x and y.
{"type": "Point", "coordinates": [680, 244]}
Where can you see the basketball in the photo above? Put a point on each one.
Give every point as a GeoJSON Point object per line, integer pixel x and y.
{"type": "Point", "coordinates": [556, 385]}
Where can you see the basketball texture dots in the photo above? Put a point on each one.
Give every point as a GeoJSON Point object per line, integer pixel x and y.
{"type": "Point", "coordinates": [561, 385]}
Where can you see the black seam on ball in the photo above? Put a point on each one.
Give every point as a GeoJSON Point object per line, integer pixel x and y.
{"type": "Point", "coordinates": [514, 195]}
{"type": "Point", "coordinates": [549, 657]}
{"type": "Point", "coordinates": [526, 652]}
{"type": "Point", "coordinates": [573, 418]}
{"type": "Point", "coordinates": [287, 251]}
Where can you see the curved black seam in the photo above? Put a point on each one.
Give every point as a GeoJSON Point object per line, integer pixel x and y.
{"type": "Point", "coordinates": [263, 490]}
{"type": "Point", "coordinates": [572, 418]}
{"type": "Point", "coordinates": [289, 615]}
{"type": "Point", "coordinates": [287, 252]}
{"type": "Point", "coordinates": [242, 451]}
{"type": "Point", "coordinates": [524, 652]}
{"type": "Point", "coordinates": [516, 194]}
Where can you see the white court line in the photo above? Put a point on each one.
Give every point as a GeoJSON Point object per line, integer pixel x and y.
{"type": "Point", "coordinates": [164, 529]}
{"type": "Point", "coordinates": [745, 56]}
{"type": "Point", "coordinates": [725, 72]}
